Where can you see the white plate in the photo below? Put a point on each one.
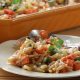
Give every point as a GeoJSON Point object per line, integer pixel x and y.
{"type": "Point", "coordinates": [6, 50]}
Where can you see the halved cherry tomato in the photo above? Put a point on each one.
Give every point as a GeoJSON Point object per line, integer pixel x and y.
{"type": "Point", "coordinates": [44, 34]}
{"type": "Point", "coordinates": [76, 65]}
{"type": "Point", "coordinates": [9, 12]}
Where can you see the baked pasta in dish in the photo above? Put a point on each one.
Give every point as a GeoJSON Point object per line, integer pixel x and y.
{"type": "Point", "coordinates": [10, 9]}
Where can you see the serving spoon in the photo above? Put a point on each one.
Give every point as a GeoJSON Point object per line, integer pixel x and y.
{"type": "Point", "coordinates": [34, 33]}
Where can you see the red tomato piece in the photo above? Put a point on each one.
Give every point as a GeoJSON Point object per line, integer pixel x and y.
{"type": "Point", "coordinates": [63, 59]}
{"type": "Point", "coordinates": [39, 50]}
{"type": "Point", "coordinates": [9, 12]}
{"type": "Point", "coordinates": [44, 34]}
{"type": "Point", "coordinates": [70, 62]}
{"type": "Point", "coordinates": [71, 56]}
{"type": "Point", "coordinates": [25, 61]}
{"type": "Point", "coordinates": [76, 65]}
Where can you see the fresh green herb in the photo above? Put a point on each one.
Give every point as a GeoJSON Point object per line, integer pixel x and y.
{"type": "Point", "coordinates": [16, 1]}
{"type": "Point", "coordinates": [77, 59]}
{"type": "Point", "coordinates": [47, 60]}
{"type": "Point", "coordinates": [57, 42]}
{"type": "Point", "coordinates": [60, 41]}
{"type": "Point", "coordinates": [58, 45]}
{"type": "Point", "coordinates": [52, 50]}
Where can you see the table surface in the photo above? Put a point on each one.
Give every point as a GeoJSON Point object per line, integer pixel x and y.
{"type": "Point", "coordinates": [9, 76]}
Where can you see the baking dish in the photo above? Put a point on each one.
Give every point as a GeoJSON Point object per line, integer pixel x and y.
{"type": "Point", "coordinates": [57, 19]}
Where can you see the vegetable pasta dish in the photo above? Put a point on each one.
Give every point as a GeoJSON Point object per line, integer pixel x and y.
{"type": "Point", "coordinates": [47, 53]}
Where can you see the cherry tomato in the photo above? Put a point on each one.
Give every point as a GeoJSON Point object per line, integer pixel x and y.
{"type": "Point", "coordinates": [9, 12]}
{"type": "Point", "coordinates": [44, 34]}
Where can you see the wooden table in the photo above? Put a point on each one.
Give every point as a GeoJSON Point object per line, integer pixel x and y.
{"type": "Point", "coordinates": [9, 76]}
